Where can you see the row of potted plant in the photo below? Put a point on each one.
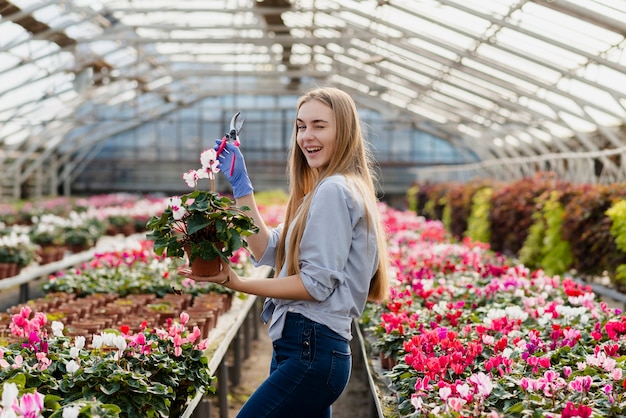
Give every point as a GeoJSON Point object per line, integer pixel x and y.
{"type": "Point", "coordinates": [547, 223]}
{"type": "Point", "coordinates": [474, 333]}
{"type": "Point", "coordinates": [120, 335]}
{"type": "Point", "coordinates": [47, 231]}
{"type": "Point", "coordinates": [152, 372]}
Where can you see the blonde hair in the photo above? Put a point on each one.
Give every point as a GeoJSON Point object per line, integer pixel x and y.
{"type": "Point", "coordinates": [352, 159]}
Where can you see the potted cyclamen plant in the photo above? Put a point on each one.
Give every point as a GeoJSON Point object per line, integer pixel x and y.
{"type": "Point", "coordinates": [202, 224]}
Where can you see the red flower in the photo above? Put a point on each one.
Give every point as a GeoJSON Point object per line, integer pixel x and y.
{"type": "Point", "coordinates": [571, 411]}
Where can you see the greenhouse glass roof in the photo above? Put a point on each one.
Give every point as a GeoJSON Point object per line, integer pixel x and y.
{"type": "Point", "coordinates": [511, 81]}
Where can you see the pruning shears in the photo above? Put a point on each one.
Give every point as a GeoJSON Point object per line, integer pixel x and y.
{"type": "Point", "coordinates": [232, 136]}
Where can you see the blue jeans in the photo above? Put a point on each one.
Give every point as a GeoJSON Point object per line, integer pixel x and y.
{"type": "Point", "coordinates": [310, 368]}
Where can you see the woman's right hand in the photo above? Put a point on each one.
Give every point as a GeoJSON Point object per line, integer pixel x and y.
{"type": "Point", "coordinates": [233, 166]}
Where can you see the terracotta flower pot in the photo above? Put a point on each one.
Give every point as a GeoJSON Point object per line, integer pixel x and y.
{"type": "Point", "coordinates": [201, 267]}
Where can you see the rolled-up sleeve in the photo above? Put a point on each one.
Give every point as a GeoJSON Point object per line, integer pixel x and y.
{"type": "Point", "coordinates": [326, 241]}
{"type": "Point", "coordinates": [269, 256]}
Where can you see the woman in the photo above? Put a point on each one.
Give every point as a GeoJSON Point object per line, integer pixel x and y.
{"type": "Point", "coordinates": [331, 258]}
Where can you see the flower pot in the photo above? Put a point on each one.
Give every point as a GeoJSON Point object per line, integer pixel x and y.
{"type": "Point", "coordinates": [5, 269]}
{"type": "Point", "coordinates": [387, 362]}
{"type": "Point", "coordinates": [202, 267]}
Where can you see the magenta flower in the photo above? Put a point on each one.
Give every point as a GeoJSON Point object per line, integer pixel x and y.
{"type": "Point", "coordinates": [29, 405]}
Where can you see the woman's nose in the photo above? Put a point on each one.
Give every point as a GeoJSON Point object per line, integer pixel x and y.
{"type": "Point", "coordinates": [306, 133]}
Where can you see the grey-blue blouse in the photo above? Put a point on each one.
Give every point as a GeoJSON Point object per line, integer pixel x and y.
{"type": "Point", "coordinates": [338, 258]}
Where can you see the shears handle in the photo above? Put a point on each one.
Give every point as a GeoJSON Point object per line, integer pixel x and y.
{"type": "Point", "coordinates": [221, 148]}
{"type": "Point", "coordinates": [232, 135]}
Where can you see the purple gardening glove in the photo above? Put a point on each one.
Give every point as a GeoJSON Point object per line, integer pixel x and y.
{"type": "Point", "coordinates": [233, 166]}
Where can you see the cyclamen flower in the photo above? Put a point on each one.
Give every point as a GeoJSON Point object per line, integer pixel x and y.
{"type": "Point", "coordinates": [29, 405]}
{"type": "Point", "coordinates": [71, 412]}
{"type": "Point", "coordinates": [445, 392]}
{"type": "Point", "coordinates": [191, 178]}
{"type": "Point", "coordinates": [57, 328]}
{"type": "Point", "coordinates": [9, 395]}
{"type": "Point", "coordinates": [483, 383]}
{"type": "Point", "coordinates": [210, 164]}
{"type": "Point", "coordinates": [571, 411]}
{"type": "Point", "coordinates": [581, 384]}
{"type": "Point", "coordinates": [456, 404]}
{"type": "Point", "coordinates": [178, 210]}
{"type": "Point", "coordinates": [72, 367]}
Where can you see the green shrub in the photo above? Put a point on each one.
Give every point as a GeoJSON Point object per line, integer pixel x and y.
{"type": "Point", "coordinates": [478, 226]}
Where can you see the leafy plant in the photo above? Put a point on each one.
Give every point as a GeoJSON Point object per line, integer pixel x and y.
{"type": "Point", "coordinates": [205, 222]}
{"type": "Point", "coordinates": [531, 252]}
{"type": "Point", "coordinates": [459, 204]}
{"type": "Point", "coordinates": [617, 213]}
{"type": "Point", "coordinates": [431, 200]}
{"type": "Point", "coordinates": [478, 226]}
{"type": "Point", "coordinates": [512, 207]}
{"type": "Point", "coordinates": [588, 229]}
{"type": "Point", "coordinates": [557, 254]}
{"type": "Point", "coordinates": [209, 224]}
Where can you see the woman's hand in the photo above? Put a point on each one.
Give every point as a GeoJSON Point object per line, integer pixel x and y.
{"type": "Point", "coordinates": [223, 277]}
{"type": "Point", "coordinates": [233, 166]}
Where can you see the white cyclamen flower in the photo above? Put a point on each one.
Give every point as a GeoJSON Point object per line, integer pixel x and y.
{"type": "Point", "coordinates": [71, 412]}
{"type": "Point", "coordinates": [72, 367]}
{"type": "Point", "coordinates": [9, 395]}
{"type": "Point", "coordinates": [57, 328]}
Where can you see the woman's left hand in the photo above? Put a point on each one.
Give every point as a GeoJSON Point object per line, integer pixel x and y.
{"type": "Point", "coordinates": [223, 277]}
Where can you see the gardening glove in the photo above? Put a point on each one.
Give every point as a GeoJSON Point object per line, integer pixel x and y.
{"type": "Point", "coordinates": [233, 166]}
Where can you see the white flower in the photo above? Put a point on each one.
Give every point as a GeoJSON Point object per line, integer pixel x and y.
{"type": "Point", "coordinates": [57, 328]}
{"type": "Point", "coordinates": [120, 342]}
{"type": "Point", "coordinates": [71, 412]}
{"type": "Point", "coordinates": [440, 307]}
{"type": "Point", "coordinates": [9, 395]}
{"type": "Point", "coordinates": [178, 210]}
{"type": "Point", "coordinates": [79, 342]}
{"type": "Point", "coordinates": [209, 161]}
{"type": "Point", "coordinates": [463, 389]}
{"type": "Point", "coordinates": [74, 352]}
{"type": "Point", "coordinates": [72, 367]}
{"type": "Point", "coordinates": [191, 178]}
{"type": "Point", "coordinates": [97, 341]}
{"type": "Point", "coordinates": [483, 383]}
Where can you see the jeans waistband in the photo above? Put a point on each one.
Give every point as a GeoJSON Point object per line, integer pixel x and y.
{"type": "Point", "coordinates": [295, 316]}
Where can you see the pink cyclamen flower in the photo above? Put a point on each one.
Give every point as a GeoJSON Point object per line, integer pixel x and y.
{"type": "Point", "coordinates": [29, 405]}
{"type": "Point", "coordinates": [616, 374]}
{"type": "Point", "coordinates": [567, 371]}
{"type": "Point", "coordinates": [483, 383]}
{"type": "Point", "coordinates": [417, 402]}
{"type": "Point", "coordinates": [581, 384]}
{"type": "Point", "coordinates": [456, 404]}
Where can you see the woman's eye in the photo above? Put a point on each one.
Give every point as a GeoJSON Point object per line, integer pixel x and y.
{"type": "Point", "coordinates": [300, 127]}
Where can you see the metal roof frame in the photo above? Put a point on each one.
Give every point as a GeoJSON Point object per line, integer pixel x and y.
{"type": "Point", "coordinates": [452, 67]}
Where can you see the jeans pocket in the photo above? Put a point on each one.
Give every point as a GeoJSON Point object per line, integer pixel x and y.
{"type": "Point", "coordinates": [339, 376]}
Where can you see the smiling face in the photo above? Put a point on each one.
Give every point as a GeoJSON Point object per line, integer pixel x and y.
{"type": "Point", "coordinates": [316, 132]}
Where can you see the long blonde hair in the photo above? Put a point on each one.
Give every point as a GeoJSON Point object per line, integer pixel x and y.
{"type": "Point", "coordinates": [352, 159]}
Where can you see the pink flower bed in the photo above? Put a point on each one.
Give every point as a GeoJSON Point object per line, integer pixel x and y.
{"type": "Point", "coordinates": [475, 334]}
